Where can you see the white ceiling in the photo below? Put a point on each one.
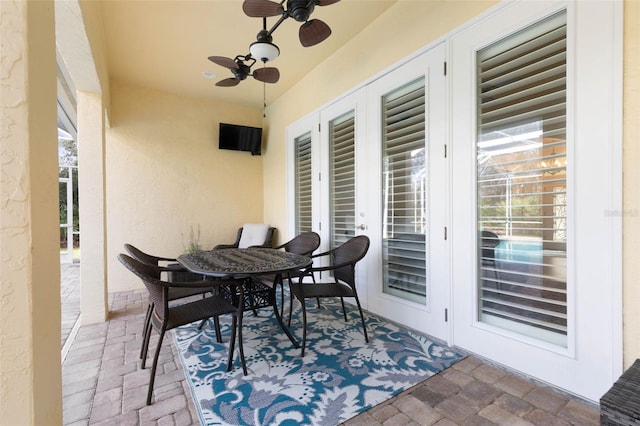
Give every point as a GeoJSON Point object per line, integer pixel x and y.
{"type": "Point", "coordinates": [164, 44]}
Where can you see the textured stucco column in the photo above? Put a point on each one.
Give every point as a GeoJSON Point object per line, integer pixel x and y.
{"type": "Point", "coordinates": [30, 373]}
{"type": "Point", "coordinates": [91, 186]}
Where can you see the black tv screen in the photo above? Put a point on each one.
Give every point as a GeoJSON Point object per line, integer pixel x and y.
{"type": "Point", "coordinates": [240, 138]}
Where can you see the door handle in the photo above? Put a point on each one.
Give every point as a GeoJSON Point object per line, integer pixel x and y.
{"type": "Point", "coordinates": [361, 227]}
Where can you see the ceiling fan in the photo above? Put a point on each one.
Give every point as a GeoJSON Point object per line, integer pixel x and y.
{"type": "Point", "coordinates": [240, 66]}
{"type": "Point", "coordinates": [311, 32]}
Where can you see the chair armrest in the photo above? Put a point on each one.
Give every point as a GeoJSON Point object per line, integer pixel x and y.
{"type": "Point", "coordinates": [175, 267]}
{"type": "Point", "coordinates": [234, 245]}
{"type": "Point", "coordinates": [268, 242]}
{"type": "Point", "coordinates": [224, 246]}
{"type": "Point", "coordinates": [326, 253]}
{"type": "Point", "coordinates": [328, 268]}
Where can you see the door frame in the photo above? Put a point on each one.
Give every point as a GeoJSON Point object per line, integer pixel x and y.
{"type": "Point", "coordinates": [586, 367]}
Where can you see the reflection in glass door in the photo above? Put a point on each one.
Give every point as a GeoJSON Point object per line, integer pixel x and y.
{"type": "Point", "coordinates": [521, 178]}
{"type": "Point", "coordinates": [404, 192]}
{"type": "Point", "coordinates": [303, 184]}
{"type": "Point", "coordinates": [342, 194]}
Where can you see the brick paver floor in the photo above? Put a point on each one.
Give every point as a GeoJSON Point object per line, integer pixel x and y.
{"type": "Point", "coordinates": [70, 298]}
{"type": "Point", "coordinates": [103, 384]}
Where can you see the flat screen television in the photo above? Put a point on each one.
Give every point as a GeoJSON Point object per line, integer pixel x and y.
{"type": "Point", "coordinates": [240, 138]}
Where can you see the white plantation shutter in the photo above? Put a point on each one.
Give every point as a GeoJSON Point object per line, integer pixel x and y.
{"type": "Point", "coordinates": [303, 193]}
{"type": "Point", "coordinates": [521, 178]}
{"type": "Point", "coordinates": [404, 192]}
{"type": "Point", "coordinates": [342, 178]}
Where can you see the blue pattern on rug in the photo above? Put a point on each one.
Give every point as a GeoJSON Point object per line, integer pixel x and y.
{"type": "Point", "coordinates": [339, 377]}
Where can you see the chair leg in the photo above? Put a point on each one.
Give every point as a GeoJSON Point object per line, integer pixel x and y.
{"type": "Point", "coordinates": [364, 327]}
{"type": "Point", "coordinates": [304, 327]}
{"type": "Point", "coordinates": [152, 379]}
{"type": "Point", "coordinates": [216, 324]}
{"type": "Point", "coordinates": [147, 319]}
{"type": "Point", "coordinates": [313, 279]}
{"type": "Point", "coordinates": [290, 305]}
{"type": "Point", "coordinates": [344, 311]}
{"type": "Point", "coordinates": [241, 346]}
{"type": "Point", "coordinates": [232, 342]}
{"type": "Point", "coordinates": [202, 323]}
{"type": "Point", "coordinates": [145, 344]}
{"type": "Point", "coordinates": [281, 297]}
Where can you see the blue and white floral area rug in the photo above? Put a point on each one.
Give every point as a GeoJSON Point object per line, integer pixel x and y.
{"type": "Point", "coordinates": [339, 376]}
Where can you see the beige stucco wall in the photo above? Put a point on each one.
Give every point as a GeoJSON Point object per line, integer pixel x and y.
{"type": "Point", "coordinates": [30, 377]}
{"type": "Point", "coordinates": [80, 41]}
{"type": "Point", "coordinates": [165, 175]}
{"type": "Point", "coordinates": [91, 185]}
{"type": "Point", "coordinates": [409, 26]}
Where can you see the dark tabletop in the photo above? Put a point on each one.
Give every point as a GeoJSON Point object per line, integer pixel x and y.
{"type": "Point", "coordinates": [239, 262]}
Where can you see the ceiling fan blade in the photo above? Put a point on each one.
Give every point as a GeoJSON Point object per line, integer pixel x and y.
{"type": "Point", "coordinates": [228, 82]}
{"type": "Point", "coordinates": [261, 8]}
{"type": "Point", "coordinates": [223, 62]}
{"type": "Point", "coordinates": [326, 2]}
{"type": "Point", "coordinates": [313, 32]}
{"type": "Point", "coordinates": [267, 75]}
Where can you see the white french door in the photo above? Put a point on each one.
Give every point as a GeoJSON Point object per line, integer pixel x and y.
{"type": "Point", "coordinates": [379, 169]}
{"type": "Point", "coordinates": [509, 245]}
{"type": "Point", "coordinates": [407, 172]}
{"type": "Point", "coordinates": [536, 271]}
{"type": "Point", "coordinates": [343, 183]}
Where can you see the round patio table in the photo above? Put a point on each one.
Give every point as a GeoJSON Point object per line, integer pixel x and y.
{"type": "Point", "coordinates": [242, 264]}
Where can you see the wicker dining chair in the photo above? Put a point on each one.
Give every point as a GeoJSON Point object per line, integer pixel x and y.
{"type": "Point", "coordinates": [165, 317]}
{"type": "Point", "coordinates": [303, 244]}
{"type": "Point", "coordinates": [343, 260]}
{"type": "Point", "coordinates": [251, 235]}
{"type": "Point", "coordinates": [174, 272]}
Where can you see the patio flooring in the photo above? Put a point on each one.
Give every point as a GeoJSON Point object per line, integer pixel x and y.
{"type": "Point", "coordinates": [104, 385]}
{"type": "Point", "coordinates": [70, 299]}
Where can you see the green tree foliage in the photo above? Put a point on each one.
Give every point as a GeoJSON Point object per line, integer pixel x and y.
{"type": "Point", "coordinates": [68, 162]}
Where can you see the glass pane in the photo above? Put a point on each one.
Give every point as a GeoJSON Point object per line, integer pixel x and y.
{"type": "Point", "coordinates": [342, 178]}
{"type": "Point", "coordinates": [404, 193]}
{"type": "Point", "coordinates": [303, 183]}
{"type": "Point", "coordinates": [521, 178]}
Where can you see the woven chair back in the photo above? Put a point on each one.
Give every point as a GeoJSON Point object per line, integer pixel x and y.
{"type": "Point", "coordinates": [158, 290]}
{"type": "Point", "coordinates": [303, 244]}
{"type": "Point", "coordinates": [351, 252]}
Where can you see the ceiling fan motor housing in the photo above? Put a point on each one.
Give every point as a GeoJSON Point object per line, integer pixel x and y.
{"type": "Point", "coordinates": [300, 10]}
{"type": "Point", "coordinates": [241, 72]}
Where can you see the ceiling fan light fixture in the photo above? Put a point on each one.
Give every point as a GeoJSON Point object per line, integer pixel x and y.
{"type": "Point", "coordinates": [264, 51]}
